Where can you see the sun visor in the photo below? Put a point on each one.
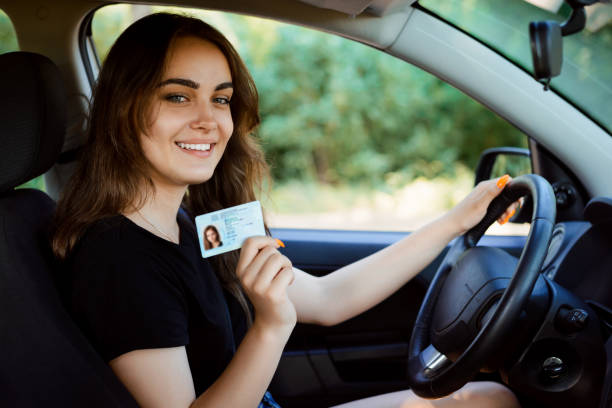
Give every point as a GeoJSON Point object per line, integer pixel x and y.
{"type": "Point", "coordinates": [352, 7]}
{"type": "Point", "coordinates": [355, 7]}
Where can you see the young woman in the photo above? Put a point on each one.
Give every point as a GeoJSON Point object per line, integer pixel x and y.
{"type": "Point", "coordinates": [170, 124]}
{"type": "Point", "coordinates": [212, 238]}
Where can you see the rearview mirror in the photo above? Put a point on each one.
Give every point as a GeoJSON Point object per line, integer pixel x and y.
{"type": "Point", "coordinates": [546, 49]}
{"type": "Point", "coordinates": [547, 43]}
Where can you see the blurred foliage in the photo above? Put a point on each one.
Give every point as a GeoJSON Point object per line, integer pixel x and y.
{"type": "Point", "coordinates": [345, 111]}
{"type": "Point", "coordinates": [335, 111]}
{"type": "Point", "coordinates": [8, 38]}
{"type": "Point", "coordinates": [586, 75]}
{"type": "Point", "coordinates": [511, 164]}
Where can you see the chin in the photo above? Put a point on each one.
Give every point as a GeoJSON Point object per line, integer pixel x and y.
{"type": "Point", "coordinates": [198, 179]}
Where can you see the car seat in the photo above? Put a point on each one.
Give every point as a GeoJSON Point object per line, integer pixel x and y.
{"type": "Point", "coordinates": [44, 358]}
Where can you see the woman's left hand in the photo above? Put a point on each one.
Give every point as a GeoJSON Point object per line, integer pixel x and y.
{"type": "Point", "coordinates": [474, 206]}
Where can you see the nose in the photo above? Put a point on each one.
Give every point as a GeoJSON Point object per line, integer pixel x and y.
{"type": "Point", "coordinates": [205, 119]}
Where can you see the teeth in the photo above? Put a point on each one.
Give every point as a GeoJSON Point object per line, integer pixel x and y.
{"type": "Point", "coordinates": [189, 146]}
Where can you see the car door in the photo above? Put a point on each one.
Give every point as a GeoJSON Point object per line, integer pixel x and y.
{"type": "Point", "coordinates": [363, 356]}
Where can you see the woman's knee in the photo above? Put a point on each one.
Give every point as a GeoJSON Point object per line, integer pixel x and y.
{"type": "Point", "coordinates": [487, 394]}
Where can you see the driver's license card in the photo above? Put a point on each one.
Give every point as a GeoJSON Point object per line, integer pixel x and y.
{"type": "Point", "coordinates": [225, 230]}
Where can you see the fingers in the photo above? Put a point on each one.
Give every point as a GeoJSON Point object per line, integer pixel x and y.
{"type": "Point", "coordinates": [260, 264]}
{"type": "Point", "coordinates": [496, 186]}
{"type": "Point", "coordinates": [283, 279]}
{"type": "Point", "coordinates": [250, 249]}
{"type": "Point", "coordinates": [489, 189]}
{"type": "Point", "coordinates": [253, 269]}
{"type": "Point", "coordinates": [502, 181]}
{"type": "Point", "coordinates": [270, 271]}
{"type": "Point", "coordinates": [510, 211]}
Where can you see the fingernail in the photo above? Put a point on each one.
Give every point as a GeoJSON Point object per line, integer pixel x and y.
{"type": "Point", "coordinates": [508, 217]}
{"type": "Point", "coordinates": [503, 180]}
{"type": "Point", "coordinates": [280, 243]}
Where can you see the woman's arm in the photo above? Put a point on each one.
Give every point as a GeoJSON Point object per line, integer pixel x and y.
{"type": "Point", "coordinates": [162, 378]}
{"type": "Point", "coordinates": [359, 286]}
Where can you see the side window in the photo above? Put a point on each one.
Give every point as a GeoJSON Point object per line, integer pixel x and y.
{"type": "Point", "coordinates": [356, 139]}
{"type": "Point", "coordinates": [8, 38]}
{"type": "Point", "coordinates": [8, 43]}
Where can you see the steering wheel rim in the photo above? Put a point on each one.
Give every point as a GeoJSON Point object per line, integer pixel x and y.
{"type": "Point", "coordinates": [430, 373]}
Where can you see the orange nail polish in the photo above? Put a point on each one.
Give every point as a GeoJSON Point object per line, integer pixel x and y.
{"type": "Point", "coordinates": [508, 217]}
{"type": "Point", "coordinates": [280, 243]}
{"type": "Point", "coordinates": [502, 181]}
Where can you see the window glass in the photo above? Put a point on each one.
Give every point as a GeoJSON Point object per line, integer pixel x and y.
{"type": "Point", "coordinates": [357, 139]}
{"type": "Point", "coordinates": [8, 38]}
{"type": "Point", "coordinates": [586, 75]}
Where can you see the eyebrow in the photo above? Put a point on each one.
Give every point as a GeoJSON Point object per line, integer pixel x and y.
{"type": "Point", "coordinates": [224, 85]}
{"type": "Point", "coordinates": [192, 84]}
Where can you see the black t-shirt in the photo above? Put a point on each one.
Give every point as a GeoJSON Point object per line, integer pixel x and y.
{"type": "Point", "coordinates": [129, 289]}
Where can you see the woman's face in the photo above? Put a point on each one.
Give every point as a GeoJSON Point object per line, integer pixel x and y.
{"type": "Point", "coordinates": [190, 116]}
{"type": "Point", "coordinates": [212, 236]}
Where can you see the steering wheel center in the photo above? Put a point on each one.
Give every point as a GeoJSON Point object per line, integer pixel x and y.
{"type": "Point", "coordinates": [476, 282]}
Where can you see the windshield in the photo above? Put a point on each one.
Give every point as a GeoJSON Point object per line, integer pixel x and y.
{"type": "Point", "coordinates": [586, 75]}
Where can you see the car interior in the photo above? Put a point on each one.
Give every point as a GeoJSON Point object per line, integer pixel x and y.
{"type": "Point", "coordinates": [533, 312]}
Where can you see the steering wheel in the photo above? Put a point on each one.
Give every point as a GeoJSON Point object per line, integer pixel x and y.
{"type": "Point", "coordinates": [477, 295]}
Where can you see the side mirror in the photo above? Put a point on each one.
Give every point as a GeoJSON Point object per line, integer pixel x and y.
{"type": "Point", "coordinates": [514, 161]}
{"type": "Point", "coordinates": [498, 161]}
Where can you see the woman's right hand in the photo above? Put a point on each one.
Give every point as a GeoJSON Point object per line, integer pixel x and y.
{"type": "Point", "coordinates": [265, 275]}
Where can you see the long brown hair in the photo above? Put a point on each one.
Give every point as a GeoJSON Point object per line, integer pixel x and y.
{"type": "Point", "coordinates": [113, 169]}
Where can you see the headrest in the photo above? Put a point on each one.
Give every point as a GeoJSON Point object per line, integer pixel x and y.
{"type": "Point", "coordinates": [32, 117]}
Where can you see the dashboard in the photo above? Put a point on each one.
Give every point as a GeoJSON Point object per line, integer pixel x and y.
{"type": "Point", "coordinates": [580, 254]}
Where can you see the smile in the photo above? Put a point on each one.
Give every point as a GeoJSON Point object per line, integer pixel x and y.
{"type": "Point", "coordinates": [188, 146]}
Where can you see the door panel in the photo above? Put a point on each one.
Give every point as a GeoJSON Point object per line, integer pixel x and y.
{"type": "Point", "coordinates": [366, 355]}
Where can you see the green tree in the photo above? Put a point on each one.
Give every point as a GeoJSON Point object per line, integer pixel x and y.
{"type": "Point", "coordinates": [8, 38]}
{"type": "Point", "coordinates": [337, 111]}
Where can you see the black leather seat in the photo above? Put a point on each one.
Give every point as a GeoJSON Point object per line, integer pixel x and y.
{"type": "Point", "coordinates": [44, 359]}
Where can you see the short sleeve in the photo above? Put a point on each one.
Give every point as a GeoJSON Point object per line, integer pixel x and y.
{"type": "Point", "coordinates": [128, 303]}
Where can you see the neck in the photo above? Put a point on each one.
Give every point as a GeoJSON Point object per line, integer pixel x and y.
{"type": "Point", "coordinates": [159, 212]}
{"type": "Point", "coordinates": [164, 205]}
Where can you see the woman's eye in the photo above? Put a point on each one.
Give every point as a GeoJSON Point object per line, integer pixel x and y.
{"type": "Point", "coordinates": [223, 100]}
{"type": "Point", "coordinates": [174, 98]}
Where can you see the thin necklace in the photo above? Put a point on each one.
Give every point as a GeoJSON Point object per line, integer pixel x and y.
{"type": "Point", "coordinates": [168, 237]}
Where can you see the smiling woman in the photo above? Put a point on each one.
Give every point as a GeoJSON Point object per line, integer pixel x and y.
{"type": "Point", "coordinates": [156, 128]}
{"type": "Point", "coordinates": [178, 330]}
